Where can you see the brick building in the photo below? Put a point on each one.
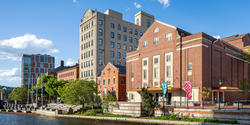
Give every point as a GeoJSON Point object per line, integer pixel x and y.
{"type": "Point", "coordinates": [169, 54]}
{"type": "Point", "coordinates": [113, 80]}
{"type": "Point", "coordinates": [69, 73]}
{"type": "Point", "coordinates": [241, 41]}
{"type": "Point", "coordinates": [34, 66]}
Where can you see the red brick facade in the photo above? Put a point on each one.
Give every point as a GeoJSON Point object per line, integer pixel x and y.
{"type": "Point", "coordinates": [69, 74]}
{"type": "Point", "coordinates": [113, 80]}
{"type": "Point", "coordinates": [197, 57]}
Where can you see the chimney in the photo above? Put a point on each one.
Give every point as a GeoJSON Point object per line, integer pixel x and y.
{"type": "Point", "coordinates": [62, 63]}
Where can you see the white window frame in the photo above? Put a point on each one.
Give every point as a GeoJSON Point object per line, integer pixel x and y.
{"type": "Point", "coordinates": [169, 79]}
{"type": "Point", "coordinates": [169, 36]}
{"type": "Point", "coordinates": [158, 67]}
{"type": "Point", "coordinates": [156, 40]}
{"type": "Point", "coordinates": [144, 81]}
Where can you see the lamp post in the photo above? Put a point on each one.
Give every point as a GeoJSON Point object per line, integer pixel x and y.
{"type": "Point", "coordinates": [220, 83]}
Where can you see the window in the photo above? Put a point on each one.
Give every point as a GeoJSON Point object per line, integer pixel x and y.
{"type": "Point", "coordinates": [145, 74]}
{"type": "Point", "coordinates": [130, 48]}
{"type": "Point", "coordinates": [131, 31]}
{"type": "Point", "coordinates": [119, 36]}
{"type": "Point", "coordinates": [145, 44]}
{"type": "Point", "coordinates": [168, 72]}
{"type": "Point", "coordinates": [132, 75]}
{"type": "Point", "coordinates": [130, 39]}
{"type": "Point", "coordinates": [119, 27]}
{"type": "Point", "coordinates": [118, 63]}
{"type": "Point", "coordinates": [112, 44]}
{"type": "Point", "coordinates": [168, 58]}
{"type": "Point", "coordinates": [100, 61]}
{"type": "Point", "coordinates": [124, 37]}
{"type": "Point", "coordinates": [124, 29]}
{"type": "Point", "coordinates": [137, 21]}
{"type": "Point", "coordinates": [118, 46]}
{"type": "Point", "coordinates": [148, 23]}
{"type": "Point", "coordinates": [100, 42]}
{"type": "Point", "coordinates": [112, 61]}
{"type": "Point", "coordinates": [136, 33]}
{"type": "Point", "coordinates": [109, 81]}
{"type": "Point", "coordinates": [103, 82]}
{"type": "Point", "coordinates": [114, 80]}
{"type": "Point", "coordinates": [118, 55]}
{"type": "Point", "coordinates": [100, 22]}
{"type": "Point", "coordinates": [112, 34]}
{"type": "Point", "coordinates": [168, 36]}
{"type": "Point", "coordinates": [156, 30]}
{"type": "Point", "coordinates": [156, 41]}
{"type": "Point", "coordinates": [124, 56]}
{"type": "Point", "coordinates": [124, 46]}
{"type": "Point", "coordinates": [141, 33]}
{"type": "Point", "coordinates": [92, 52]}
{"type": "Point", "coordinates": [190, 67]}
{"type": "Point", "coordinates": [156, 61]}
{"type": "Point", "coordinates": [112, 25]}
{"type": "Point", "coordinates": [92, 43]}
{"type": "Point", "coordinates": [136, 41]}
{"type": "Point", "coordinates": [99, 50]}
{"type": "Point", "coordinates": [112, 54]}
{"type": "Point", "coordinates": [156, 72]}
{"type": "Point", "coordinates": [100, 32]}
{"type": "Point", "coordinates": [145, 63]}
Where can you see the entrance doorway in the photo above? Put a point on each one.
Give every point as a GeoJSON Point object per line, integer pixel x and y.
{"type": "Point", "coordinates": [169, 98]}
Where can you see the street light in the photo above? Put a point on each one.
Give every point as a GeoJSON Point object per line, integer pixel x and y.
{"type": "Point", "coordinates": [220, 83]}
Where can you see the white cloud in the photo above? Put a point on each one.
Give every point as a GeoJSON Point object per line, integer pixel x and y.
{"type": "Point", "coordinates": [165, 3]}
{"type": "Point", "coordinates": [13, 48]}
{"type": "Point", "coordinates": [74, 1]}
{"type": "Point", "coordinates": [137, 5]}
{"type": "Point", "coordinates": [10, 77]}
{"type": "Point", "coordinates": [70, 62]}
{"type": "Point", "coordinates": [217, 37]}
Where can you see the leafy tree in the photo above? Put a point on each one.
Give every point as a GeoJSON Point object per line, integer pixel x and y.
{"type": "Point", "coordinates": [18, 94]}
{"type": "Point", "coordinates": [245, 86]}
{"type": "Point", "coordinates": [149, 103]}
{"type": "Point", "coordinates": [78, 92]}
{"type": "Point", "coordinates": [50, 84]}
{"type": "Point", "coordinates": [206, 93]}
{"type": "Point", "coordinates": [107, 101]}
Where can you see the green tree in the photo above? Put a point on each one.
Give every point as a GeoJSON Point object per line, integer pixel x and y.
{"type": "Point", "coordinates": [79, 92]}
{"type": "Point", "coordinates": [18, 94]}
{"type": "Point", "coordinates": [149, 103]}
{"type": "Point", "coordinates": [107, 101]}
{"type": "Point", "coordinates": [245, 87]}
{"type": "Point", "coordinates": [206, 93]}
{"type": "Point", "coordinates": [50, 84]}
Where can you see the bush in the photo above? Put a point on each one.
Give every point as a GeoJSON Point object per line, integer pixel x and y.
{"type": "Point", "coordinates": [114, 115]}
{"type": "Point", "coordinates": [90, 113]}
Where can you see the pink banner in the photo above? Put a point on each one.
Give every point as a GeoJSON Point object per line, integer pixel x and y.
{"type": "Point", "coordinates": [188, 89]}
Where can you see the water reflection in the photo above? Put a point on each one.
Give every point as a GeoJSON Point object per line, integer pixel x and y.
{"type": "Point", "coordinates": [27, 119]}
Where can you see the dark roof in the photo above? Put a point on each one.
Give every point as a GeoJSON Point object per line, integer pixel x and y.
{"type": "Point", "coordinates": [59, 68]}
{"type": "Point", "coordinates": [122, 69]}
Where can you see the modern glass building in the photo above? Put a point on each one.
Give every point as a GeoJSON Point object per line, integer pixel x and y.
{"type": "Point", "coordinates": [34, 66]}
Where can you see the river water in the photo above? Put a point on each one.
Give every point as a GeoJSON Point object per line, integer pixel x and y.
{"type": "Point", "coordinates": [30, 119]}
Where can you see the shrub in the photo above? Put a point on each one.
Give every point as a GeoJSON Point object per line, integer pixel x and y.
{"type": "Point", "coordinates": [90, 113]}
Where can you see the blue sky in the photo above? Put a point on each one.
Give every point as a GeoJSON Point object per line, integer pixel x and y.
{"type": "Point", "coordinates": [51, 26]}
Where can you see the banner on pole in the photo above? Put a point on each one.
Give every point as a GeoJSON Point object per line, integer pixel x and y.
{"type": "Point", "coordinates": [164, 86]}
{"type": "Point", "coordinates": [188, 89]}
